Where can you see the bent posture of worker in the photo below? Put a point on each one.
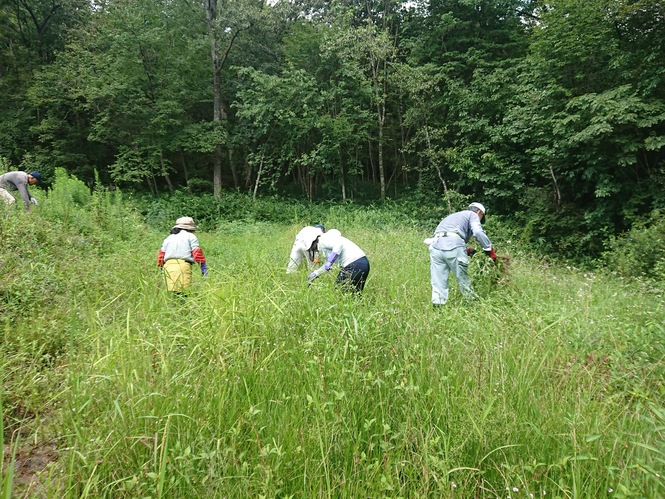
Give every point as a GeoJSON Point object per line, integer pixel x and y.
{"type": "Point", "coordinates": [448, 251]}
{"type": "Point", "coordinates": [18, 181]}
{"type": "Point", "coordinates": [300, 251]}
{"type": "Point", "coordinates": [352, 260]}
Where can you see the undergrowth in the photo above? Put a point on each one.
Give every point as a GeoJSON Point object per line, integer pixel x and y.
{"type": "Point", "coordinates": [255, 385]}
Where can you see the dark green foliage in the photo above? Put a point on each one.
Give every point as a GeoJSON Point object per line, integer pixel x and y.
{"type": "Point", "coordinates": [591, 137]}
{"type": "Point", "coordinates": [208, 212]}
{"type": "Point", "coordinates": [408, 211]}
{"type": "Point", "coordinates": [31, 35]}
{"type": "Point", "coordinates": [551, 113]}
{"type": "Point", "coordinates": [641, 251]}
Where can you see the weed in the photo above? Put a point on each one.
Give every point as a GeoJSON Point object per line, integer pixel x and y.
{"type": "Point", "coordinates": [256, 385]}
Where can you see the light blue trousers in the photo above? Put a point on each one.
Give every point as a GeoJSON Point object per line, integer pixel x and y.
{"type": "Point", "coordinates": [442, 263]}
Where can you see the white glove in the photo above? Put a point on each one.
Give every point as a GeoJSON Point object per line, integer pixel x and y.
{"type": "Point", "coordinates": [33, 201]}
{"type": "Point", "coordinates": [429, 240]}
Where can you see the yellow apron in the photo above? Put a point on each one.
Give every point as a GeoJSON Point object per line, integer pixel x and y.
{"type": "Point", "coordinates": [178, 274]}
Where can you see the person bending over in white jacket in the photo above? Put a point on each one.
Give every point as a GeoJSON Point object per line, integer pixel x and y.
{"type": "Point", "coordinates": [300, 251]}
{"type": "Point", "coordinates": [352, 260]}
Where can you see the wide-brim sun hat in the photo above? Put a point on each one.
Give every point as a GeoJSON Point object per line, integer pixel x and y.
{"type": "Point", "coordinates": [186, 223]}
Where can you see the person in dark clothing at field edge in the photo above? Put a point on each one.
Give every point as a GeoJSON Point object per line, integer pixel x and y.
{"type": "Point", "coordinates": [448, 251]}
{"type": "Point", "coordinates": [18, 181]}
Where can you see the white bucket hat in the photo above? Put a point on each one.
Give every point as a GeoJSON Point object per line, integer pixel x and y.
{"type": "Point", "coordinates": [186, 223]}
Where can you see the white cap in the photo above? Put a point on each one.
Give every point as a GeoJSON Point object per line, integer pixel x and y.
{"type": "Point", "coordinates": [479, 206]}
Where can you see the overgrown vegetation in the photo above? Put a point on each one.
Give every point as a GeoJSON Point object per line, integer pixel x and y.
{"type": "Point", "coordinates": [240, 207]}
{"type": "Point", "coordinates": [256, 385]}
{"type": "Point", "coordinates": [641, 251]}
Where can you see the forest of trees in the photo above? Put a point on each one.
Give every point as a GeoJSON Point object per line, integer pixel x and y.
{"type": "Point", "coordinates": [552, 112]}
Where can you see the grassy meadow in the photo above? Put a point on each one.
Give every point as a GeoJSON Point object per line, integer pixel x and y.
{"type": "Point", "coordinates": [550, 385]}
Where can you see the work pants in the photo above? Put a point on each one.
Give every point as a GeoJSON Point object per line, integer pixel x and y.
{"type": "Point", "coordinates": [178, 274]}
{"type": "Point", "coordinates": [354, 275]}
{"type": "Point", "coordinates": [442, 263]}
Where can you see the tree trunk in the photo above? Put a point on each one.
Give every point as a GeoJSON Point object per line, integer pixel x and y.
{"type": "Point", "coordinates": [438, 170]}
{"type": "Point", "coordinates": [185, 170]}
{"type": "Point", "coordinates": [211, 16]}
{"type": "Point", "coordinates": [557, 193]}
{"type": "Point", "coordinates": [343, 174]}
{"type": "Point", "coordinates": [248, 172]}
{"type": "Point", "coordinates": [164, 172]}
{"type": "Point", "coordinates": [234, 170]}
{"type": "Point", "coordinates": [379, 96]}
{"type": "Point", "coordinates": [218, 60]}
{"type": "Point", "coordinates": [258, 179]}
{"type": "Point", "coordinates": [382, 170]}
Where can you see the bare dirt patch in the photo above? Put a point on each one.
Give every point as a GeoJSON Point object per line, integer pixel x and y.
{"type": "Point", "coordinates": [30, 462]}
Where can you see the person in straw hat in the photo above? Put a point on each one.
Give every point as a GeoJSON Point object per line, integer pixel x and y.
{"type": "Point", "coordinates": [180, 250]}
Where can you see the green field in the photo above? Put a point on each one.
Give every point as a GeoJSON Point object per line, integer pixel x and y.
{"type": "Point", "coordinates": [550, 385]}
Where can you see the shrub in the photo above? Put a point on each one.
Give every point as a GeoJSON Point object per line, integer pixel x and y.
{"type": "Point", "coordinates": [641, 251]}
{"type": "Point", "coordinates": [66, 198]}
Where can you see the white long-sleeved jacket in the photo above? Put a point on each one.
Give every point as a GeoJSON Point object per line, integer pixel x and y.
{"type": "Point", "coordinates": [333, 242]}
{"type": "Point", "coordinates": [300, 248]}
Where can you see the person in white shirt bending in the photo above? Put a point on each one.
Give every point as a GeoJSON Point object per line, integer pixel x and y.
{"type": "Point", "coordinates": [300, 252]}
{"type": "Point", "coordinates": [353, 262]}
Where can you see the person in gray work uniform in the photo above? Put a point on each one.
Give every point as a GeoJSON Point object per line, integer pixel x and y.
{"type": "Point", "coordinates": [18, 181]}
{"type": "Point", "coordinates": [448, 251]}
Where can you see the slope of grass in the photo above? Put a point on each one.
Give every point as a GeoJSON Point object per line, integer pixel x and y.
{"type": "Point", "coordinates": [257, 386]}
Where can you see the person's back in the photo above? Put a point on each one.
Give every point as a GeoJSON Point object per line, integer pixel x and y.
{"type": "Point", "coordinates": [348, 255]}
{"type": "Point", "coordinates": [300, 249]}
{"type": "Point", "coordinates": [179, 251]}
{"type": "Point", "coordinates": [448, 252]}
{"type": "Point", "coordinates": [460, 226]}
{"type": "Point", "coordinates": [334, 242]}
{"type": "Point", "coordinates": [180, 245]}
{"type": "Point", "coordinates": [11, 180]}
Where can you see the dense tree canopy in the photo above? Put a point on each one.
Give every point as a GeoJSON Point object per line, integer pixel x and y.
{"type": "Point", "coordinates": [551, 112]}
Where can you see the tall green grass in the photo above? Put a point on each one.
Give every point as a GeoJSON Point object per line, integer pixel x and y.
{"type": "Point", "coordinates": [255, 385]}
